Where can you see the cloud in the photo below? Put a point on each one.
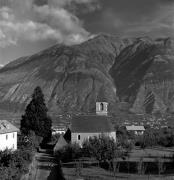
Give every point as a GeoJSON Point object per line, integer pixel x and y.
{"type": "Point", "coordinates": [161, 23]}
{"type": "Point", "coordinates": [134, 18]}
{"type": "Point", "coordinates": [35, 20]}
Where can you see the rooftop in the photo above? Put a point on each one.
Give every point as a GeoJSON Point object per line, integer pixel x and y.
{"type": "Point", "coordinates": [101, 97]}
{"type": "Point", "coordinates": [60, 143]}
{"type": "Point", "coordinates": [7, 127]}
{"type": "Point", "coordinates": [135, 128]}
{"type": "Point", "coordinates": [91, 124]}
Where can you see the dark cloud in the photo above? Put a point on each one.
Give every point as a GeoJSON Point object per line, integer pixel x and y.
{"type": "Point", "coordinates": [134, 10]}
{"type": "Point", "coordinates": [73, 21]}
{"type": "Point", "coordinates": [132, 17]}
{"type": "Point", "coordinates": [40, 2]}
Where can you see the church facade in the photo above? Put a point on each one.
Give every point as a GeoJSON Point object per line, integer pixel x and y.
{"type": "Point", "coordinates": [85, 126]}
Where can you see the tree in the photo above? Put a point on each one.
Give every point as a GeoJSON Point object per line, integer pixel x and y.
{"type": "Point", "coordinates": [56, 173]}
{"type": "Point", "coordinates": [103, 148]}
{"type": "Point", "coordinates": [160, 164]}
{"type": "Point", "coordinates": [141, 166]}
{"type": "Point", "coordinates": [148, 139]}
{"type": "Point", "coordinates": [35, 117]}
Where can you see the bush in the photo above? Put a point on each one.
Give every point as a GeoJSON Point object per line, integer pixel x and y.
{"type": "Point", "coordinates": [102, 148]}
{"type": "Point", "coordinates": [148, 139]}
{"type": "Point", "coordinates": [30, 142]}
{"type": "Point", "coordinates": [14, 163]}
{"type": "Point", "coordinates": [56, 173]}
{"type": "Point", "coordinates": [8, 173]}
{"type": "Point", "coordinates": [69, 153]}
{"type": "Point", "coordinates": [5, 158]}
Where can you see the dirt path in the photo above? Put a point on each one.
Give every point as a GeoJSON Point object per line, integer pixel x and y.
{"type": "Point", "coordinates": [45, 163]}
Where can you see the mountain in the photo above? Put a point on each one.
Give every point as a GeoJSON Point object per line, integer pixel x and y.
{"type": "Point", "coordinates": [71, 77]}
{"type": "Point", "coordinates": [134, 74]}
{"type": "Point", "coordinates": [144, 75]}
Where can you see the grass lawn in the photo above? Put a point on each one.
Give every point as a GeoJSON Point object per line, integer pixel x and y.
{"type": "Point", "coordinates": [88, 173]}
{"type": "Point", "coordinates": [96, 173]}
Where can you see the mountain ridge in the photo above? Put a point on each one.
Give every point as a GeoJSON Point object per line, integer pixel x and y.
{"type": "Point", "coordinates": [72, 76]}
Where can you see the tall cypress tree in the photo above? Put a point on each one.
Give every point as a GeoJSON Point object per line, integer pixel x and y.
{"type": "Point", "coordinates": [35, 117]}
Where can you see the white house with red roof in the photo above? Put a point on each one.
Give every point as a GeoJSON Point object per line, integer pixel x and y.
{"type": "Point", "coordinates": [8, 135]}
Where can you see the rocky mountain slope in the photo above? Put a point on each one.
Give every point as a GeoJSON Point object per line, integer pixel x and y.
{"type": "Point", "coordinates": [144, 73]}
{"type": "Point", "coordinates": [137, 72]}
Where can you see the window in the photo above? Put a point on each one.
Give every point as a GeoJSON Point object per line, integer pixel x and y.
{"type": "Point", "coordinates": [6, 136]}
{"type": "Point", "coordinates": [101, 106]}
{"type": "Point", "coordinates": [13, 146]}
{"type": "Point", "coordinates": [78, 137]}
{"type": "Point", "coordinates": [13, 135]}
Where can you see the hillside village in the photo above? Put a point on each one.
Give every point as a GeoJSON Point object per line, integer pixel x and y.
{"type": "Point", "coordinates": [87, 141]}
{"type": "Point", "coordinates": [86, 89]}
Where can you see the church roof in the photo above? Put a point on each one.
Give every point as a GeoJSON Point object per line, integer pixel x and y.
{"type": "Point", "coordinates": [7, 127]}
{"type": "Point", "coordinates": [91, 124]}
{"type": "Point", "coordinates": [101, 97]}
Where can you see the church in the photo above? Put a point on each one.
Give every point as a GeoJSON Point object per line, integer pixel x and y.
{"type": "Point", "coordinates": [85, 126]}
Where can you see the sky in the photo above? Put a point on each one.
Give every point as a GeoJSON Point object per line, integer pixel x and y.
{"type": "Point", "coordinates": [29, 26]}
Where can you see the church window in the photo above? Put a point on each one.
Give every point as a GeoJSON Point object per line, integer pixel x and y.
{"type": "Point", "coordinates": [101, 106]}
{"type": "Point", "coordinates": [78, 137]}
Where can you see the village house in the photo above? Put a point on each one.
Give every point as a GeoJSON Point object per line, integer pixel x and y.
{"type": "Point", "coordinates": [137, 130]}
{"type": "Point", "coordinates": [85, 126]}
{"type": "Point", "coordinates": [59, 129]}
{"type": "Point", "coordinates": [8, 136]}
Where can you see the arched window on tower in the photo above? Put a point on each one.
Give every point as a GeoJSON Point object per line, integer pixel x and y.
{"type": "Point", "coordinates": [101, 107]}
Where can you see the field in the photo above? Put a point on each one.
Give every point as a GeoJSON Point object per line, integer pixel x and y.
{"type": "Point", "coordinates": [95, 173]}
{"type": "Point", "coordinates": [150, 155]}
{"type": "Point", "coordinates": [155, 152]}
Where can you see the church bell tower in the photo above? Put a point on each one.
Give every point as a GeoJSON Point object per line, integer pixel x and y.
{"type": "Point", "coordinates": [102, 108]}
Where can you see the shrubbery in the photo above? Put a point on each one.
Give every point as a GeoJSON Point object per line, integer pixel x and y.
{"type": "Point", "coordinates": [156, 137]}
{"type": "Point", "coordinates": [69, 153]}
{"type": "Point", "coordinates": [31, 141]}
{"type": "Point", "coordinates": [102, 148]}
{"type": "Point", "coordinates": [151, 137]}
{"type": "Point", "coordinates": [14, 163]}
